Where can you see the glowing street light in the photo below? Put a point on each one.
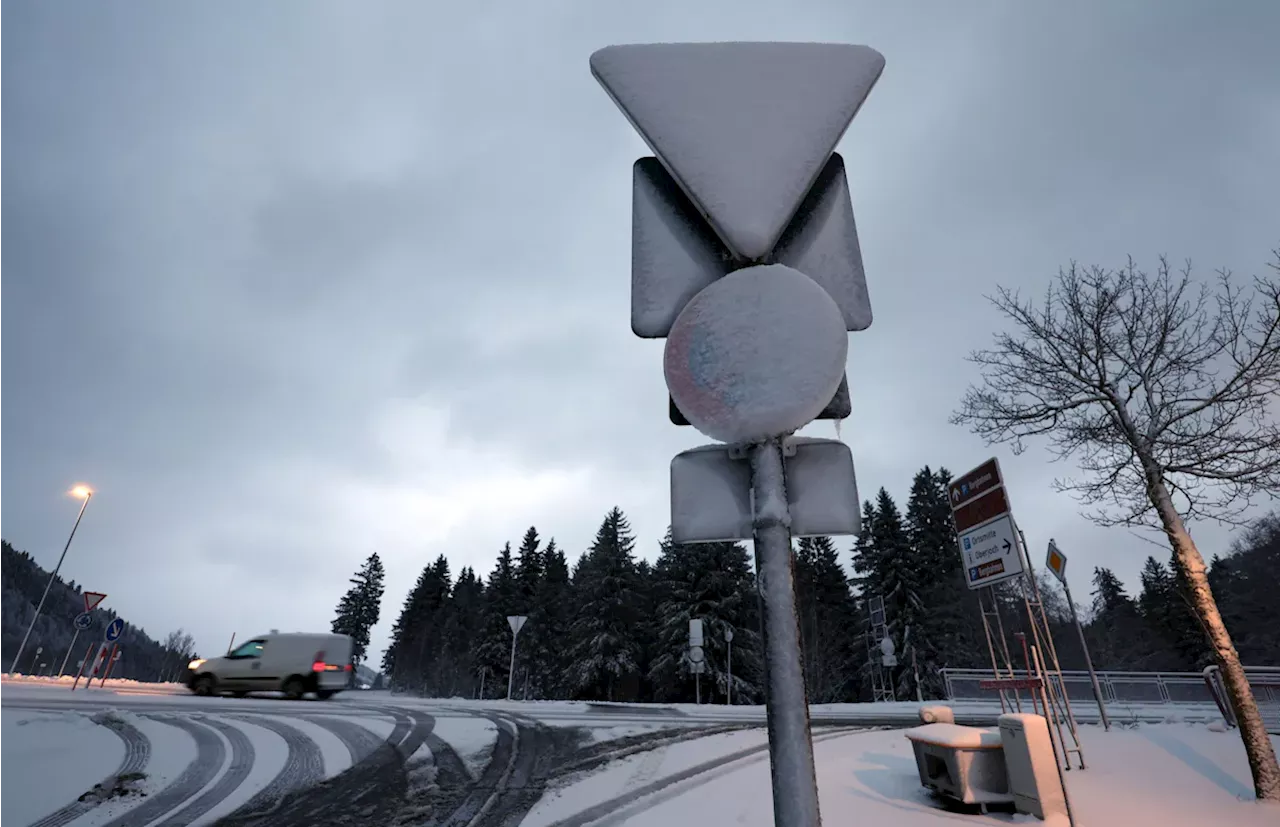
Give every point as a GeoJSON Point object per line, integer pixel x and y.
{"type": "Point", "coordinates": [81, 492]}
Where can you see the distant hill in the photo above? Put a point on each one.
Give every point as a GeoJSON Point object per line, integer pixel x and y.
{"type": "Point", "coordinates": [23, 581]}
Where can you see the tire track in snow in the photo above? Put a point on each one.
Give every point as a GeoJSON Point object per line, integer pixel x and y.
{"type": "Point", "coordinates": [242, 758]}
{"type": "Point", "coordinates": [137, 751]}
{"type": "Point", "coordinates": [303, 766]}
{"type": "Point", "coordinates": [210, 754]}
{"type": "Point", "coordinates": [624, 807]}
{"type": "Point", "coordinates": [368, 794]}
{"type": "Point", "coordinates": [359, 740]}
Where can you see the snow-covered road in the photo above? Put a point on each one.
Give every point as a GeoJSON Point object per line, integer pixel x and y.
{"type": "Point", "coordinates": [144, 757]}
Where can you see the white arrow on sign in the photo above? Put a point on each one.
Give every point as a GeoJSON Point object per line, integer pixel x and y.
{"type": "Point", "coordinates": [699, 105]}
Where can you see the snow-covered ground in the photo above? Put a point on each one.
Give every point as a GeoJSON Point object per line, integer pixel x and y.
{"type": "Point", "coordinates": [49, 759]}
{"type": "Point", "coordinates": [1172, 771]}
{"type": "Point", "coordinates": [1171, 775]}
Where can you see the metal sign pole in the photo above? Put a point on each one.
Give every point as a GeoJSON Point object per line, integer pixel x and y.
{"type": "Point", "coordinates": [54, 576]}
{"type": "Point", "coordinates": [70, 649]}
{"type": "Point", "coordinates": [795, 783]}
{"type": "Point", "coordinates": [1088, 660]}
{"type": "Point", "coordinates": [728, 687]}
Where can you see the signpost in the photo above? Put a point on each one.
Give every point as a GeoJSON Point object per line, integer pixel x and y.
{"type": "Point", "coordinates": [745, 257]}
{"type": "Point", "coordinates": [888, 653]}
{"type": "Point", "coordinates": [1057, 563]}
{"type": "Point", "coordinates": [728, 686]}
{"type": "Point", "coordinates": [114, 630]}
{"type": "Point", "coordinates": [92, 600]}
{"type": "Point", "coordinates": [517, 623]}
{"type": "Point", "coordinates": [984, 526]}
{"type": "Point", "coordinates": [697, 657]}
{"type": "Point", "coordinates": [83, 622]}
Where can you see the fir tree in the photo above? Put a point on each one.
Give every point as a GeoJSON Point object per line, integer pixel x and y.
{"type": "Point", "coordinates": [829, 623]}
{"type": "Point", "coordinates": [949, 632]}
{"type": "Point", "coordinates": [409, 657]}
{"type": "Point", "coordinates": [359, 609]}
{"type": "Point", "coordinates": [605, 646]}
{"type": "Point", "coordinates": [493, 646]}
{"type": "Point", "coordinates": [463, 623]}
{"type": "Point", "coordinates": [900, 580]}
{"type": "Point", "coordinates": [1119, 636]}
{"type": "Point", "coordinates": [549, 622]}
{"type": "Point", "coordinates": [711, 582]}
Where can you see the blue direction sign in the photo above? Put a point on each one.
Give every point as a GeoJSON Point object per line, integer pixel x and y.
{"type": "Point", "coordinates": [114, 630]}
{"type": "Point", "coordinates": [83, 621]}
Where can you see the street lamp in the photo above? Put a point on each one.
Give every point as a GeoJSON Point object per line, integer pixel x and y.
{"type": "Point", "coordinates": [81, 492]}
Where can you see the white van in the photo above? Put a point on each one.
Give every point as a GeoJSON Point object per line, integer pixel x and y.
{"type": "Point", "coordinates": [292, 663]}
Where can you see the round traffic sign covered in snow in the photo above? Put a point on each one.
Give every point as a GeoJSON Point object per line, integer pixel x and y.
{"type": "Point", "coordinates": [756, 354]}
{"type": "Point", "coordinates": [696, 654]}
{"type": "Point", "coordinates": [886, 647]}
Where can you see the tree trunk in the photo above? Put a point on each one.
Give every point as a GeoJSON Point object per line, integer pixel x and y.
{"type": "Point", "coordinates": [1257, 743]}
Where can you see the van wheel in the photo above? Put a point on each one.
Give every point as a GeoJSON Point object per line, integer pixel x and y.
{"type": "Point", "coordinates": [206, 685]}
{"type": "Point", "coordinates": [325, 694]}
{"type": "Point", "coordinates": [294, 688]}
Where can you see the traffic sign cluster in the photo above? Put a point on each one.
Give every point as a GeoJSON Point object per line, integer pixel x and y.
{"type": "Point", "coordinates": [745, 257]}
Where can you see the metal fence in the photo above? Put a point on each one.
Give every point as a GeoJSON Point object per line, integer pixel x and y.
{"type": "Point", "coordinates": [1130, 687]}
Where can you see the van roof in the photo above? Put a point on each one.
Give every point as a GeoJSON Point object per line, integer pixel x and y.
{"type": "Point", "coordinates": [298, 634]}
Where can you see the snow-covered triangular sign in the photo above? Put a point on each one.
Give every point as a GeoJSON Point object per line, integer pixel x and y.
{"type": "Point", "coordinates": [744, 128]}
{"type": "Point", "coordinates": [517, 623]}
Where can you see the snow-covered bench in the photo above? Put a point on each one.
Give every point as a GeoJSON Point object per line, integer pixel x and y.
{"type": "Point", "coordinates": [963, 763]}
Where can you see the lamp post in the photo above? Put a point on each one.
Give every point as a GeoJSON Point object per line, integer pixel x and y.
{"type": "Point", "coordinates": [85, 493]}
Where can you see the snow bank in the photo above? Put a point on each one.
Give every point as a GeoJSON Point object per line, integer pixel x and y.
{"type": "Point", "coordinates": [51, 758]}
{"type": "Point", "coordinates": [1170, 775]}
{"type": "Point", "coordinates": [114, 685]}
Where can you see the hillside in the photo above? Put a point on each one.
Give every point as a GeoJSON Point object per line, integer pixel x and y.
{"type": "Point", "coordinates": [142, 658]}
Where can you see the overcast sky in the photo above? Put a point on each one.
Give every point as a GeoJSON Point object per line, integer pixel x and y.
{"type": "Point", "coordinates": [289, 283]}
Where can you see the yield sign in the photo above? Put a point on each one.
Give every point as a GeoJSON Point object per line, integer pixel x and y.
{"type": "Point", "coordinates": [92, 599]}
{"type": "Point", "coordinates": [745, 129]}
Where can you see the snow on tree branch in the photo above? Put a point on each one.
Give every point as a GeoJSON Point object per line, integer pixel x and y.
{"type": "Point", "coordinates": [1128, 372]}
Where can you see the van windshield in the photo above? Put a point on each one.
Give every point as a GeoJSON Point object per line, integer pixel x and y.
{"type": "Point", "coordinates": [252, 649]}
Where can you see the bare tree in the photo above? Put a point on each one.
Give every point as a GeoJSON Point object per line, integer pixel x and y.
{"type": "Point", "coordinates": [180, 648]}
{"type": "Point", "coordinates": [1165, 392]}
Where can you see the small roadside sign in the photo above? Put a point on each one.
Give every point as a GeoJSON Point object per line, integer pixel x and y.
{"type": "Point", "coordinates": [92, 600]}
{"type": "Point", "coordinates": [83, 621]}
{"type": "Point", "coordinates": [114, 630]}
{"type": "Point", "coordinates": [1057, 562]}
{"type": "Point", "coordinates": [516, 622]}
{"type": "Point", "coordinates": [696, 654]}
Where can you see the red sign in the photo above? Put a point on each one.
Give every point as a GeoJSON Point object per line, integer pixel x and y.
{"type": "Point", "coordinates": [987, 507]}
{"type": "Point", "coordinates": [978, 481]}
{"type": "Point", "coordinates": [1010, 683]}
{"type": "Point", "coordinates": [92, 599]}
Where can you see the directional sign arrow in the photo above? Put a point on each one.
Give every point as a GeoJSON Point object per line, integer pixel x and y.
{"type": "Point", "coordinates": [1006, 546]}
{"type": "Point", "coordinates": [730, 123]}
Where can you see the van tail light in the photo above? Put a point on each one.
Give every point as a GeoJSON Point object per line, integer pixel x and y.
{"type": "Point", "coordinates": [319, 665]}
{"type": "Point", "coordinates": [348, 668]}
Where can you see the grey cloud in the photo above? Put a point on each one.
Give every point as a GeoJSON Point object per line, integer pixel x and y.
{"type": "Point", "coordinates": [237, 234]}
